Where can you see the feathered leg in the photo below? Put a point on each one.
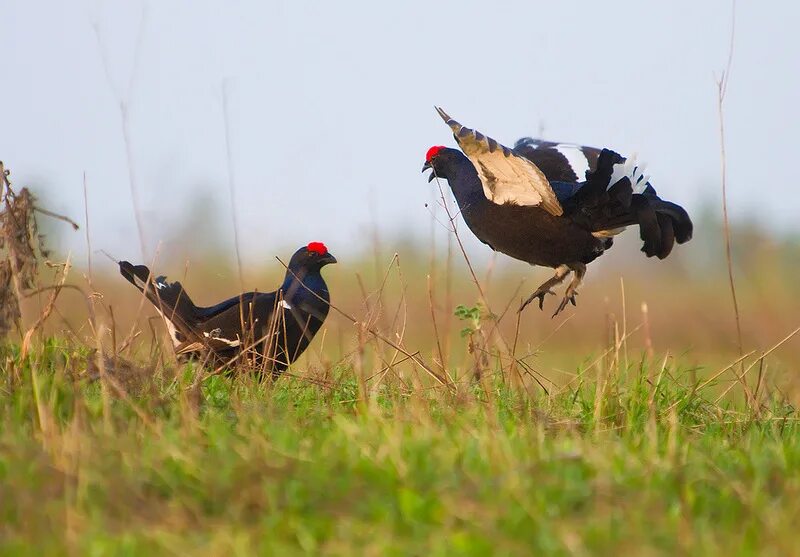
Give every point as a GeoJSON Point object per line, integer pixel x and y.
{"type": "Point", "coordinates": [579, 271]}
{"type": "Point", "coordinates": [561, 272]}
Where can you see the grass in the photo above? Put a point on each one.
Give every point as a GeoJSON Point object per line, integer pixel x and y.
{"type": "Point", "coordinates": [611, 430]}
{"type": "Point", "coordinates": [640, 463]}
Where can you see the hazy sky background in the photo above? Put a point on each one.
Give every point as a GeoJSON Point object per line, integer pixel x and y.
{"type": "Point", "coordinates": [331, 106]}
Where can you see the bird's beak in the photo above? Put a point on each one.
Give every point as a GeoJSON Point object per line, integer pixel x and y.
{"type": "Point", "coordinates": [429, 166]}
{"type": "Point", "coordinates": [328, 258]}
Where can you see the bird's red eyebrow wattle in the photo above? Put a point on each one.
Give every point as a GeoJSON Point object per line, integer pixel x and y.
{"type": "Point", "coordinates": [432, 152]}
{"type": "Point", "coordinates": [317, 247]}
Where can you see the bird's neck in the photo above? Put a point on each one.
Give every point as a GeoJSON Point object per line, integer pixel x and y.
{"type": "Point", "coordinates": [312, 280]}
{"type": "Point", "coordinates": [466, 185]}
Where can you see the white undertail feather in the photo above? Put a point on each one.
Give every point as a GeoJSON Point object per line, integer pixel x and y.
{"type": "Point", "coordinates": [633, 171]}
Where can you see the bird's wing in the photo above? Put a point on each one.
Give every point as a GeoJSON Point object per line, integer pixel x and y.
{"type": "Point", "coordinates": [208, 312]}
{"type": "Point", "coordinates": [569, 162]}
{"type": "Point", "coordinates": [560, 162]}
{"type": "Point", "coordinates": [236, 325]}
{"type": "Point", "coordinates": [506, 176]}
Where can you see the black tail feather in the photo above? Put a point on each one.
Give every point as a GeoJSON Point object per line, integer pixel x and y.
{"type": "Point", "coordinates": [667, 235]}
{"type": "Point", "coordinates": [596, 192]}
{"type": "Point", "coordinates": [680, 218]}
{"type": "Point", "coordinates": [168, 297]}
{"type": "Point", "coordinates": [661, 224]}
{"type": "Point", "coordinates": [137, 275]}
{"type": "Point", "coordinates": [649, 230]}
{"type": "Point", "coordinates": [621, 193]}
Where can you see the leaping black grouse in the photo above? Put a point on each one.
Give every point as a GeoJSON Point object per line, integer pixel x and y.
{"type": "Point", "coordinates": [530, 203]}
{"type": "Point", "coordinates": [276, 327]}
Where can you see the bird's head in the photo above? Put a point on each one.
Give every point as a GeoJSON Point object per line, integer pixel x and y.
{"type": "Point", "coordinates": [439, 159]}
{"type": "Point", "coordinates": [311, 258]}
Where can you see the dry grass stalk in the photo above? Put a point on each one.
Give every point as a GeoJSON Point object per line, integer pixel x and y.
{"type": "Point", "coordinates": [722, 89]}
{"type": "Point", "coordinates": [21, 248]}
{"type": "Point", "coordinates": [18, 249]}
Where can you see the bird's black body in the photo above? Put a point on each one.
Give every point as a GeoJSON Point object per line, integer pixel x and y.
{"type": "Point", "coordinates": [523, 232]}
{"type": "Point", "coordinates": [535, 204]}
{"type": "Point", "coordinates": [274, 328]}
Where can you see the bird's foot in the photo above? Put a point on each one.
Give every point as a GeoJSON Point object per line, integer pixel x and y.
{"type": "Point", "coordinates": [569, 294]}
{"type": "Point", "coordinates": [569, 298]}
{"type": "Point", "coordinates": [540, 293]}
{"type": "Point", "coordinates": [545, 288]}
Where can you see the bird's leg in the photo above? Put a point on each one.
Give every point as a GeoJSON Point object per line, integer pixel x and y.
{"type": "Point", "coordinates": [561, 272]}
{"type": "Point", "coordinates": [579, 271]}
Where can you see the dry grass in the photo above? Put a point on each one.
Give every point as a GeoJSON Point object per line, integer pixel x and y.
{"type": "Point", "coordinates": [558, 436]}
{"type": "Point", "coordinates": [428, 417]}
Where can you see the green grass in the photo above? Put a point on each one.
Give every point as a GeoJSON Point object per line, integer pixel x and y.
{"type": "Point", "coordinates": [638, 466]}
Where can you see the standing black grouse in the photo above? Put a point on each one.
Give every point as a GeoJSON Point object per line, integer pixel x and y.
{"type": "Point", "coordinates": [530, 203]}
{"type": "Point", "coordinates": [275, 327]}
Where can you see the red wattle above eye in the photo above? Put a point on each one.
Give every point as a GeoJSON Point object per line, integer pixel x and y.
{"type": "Point", "coordinates": [432, 152]}
{"type": "Point", "coordinates": [317, 247]}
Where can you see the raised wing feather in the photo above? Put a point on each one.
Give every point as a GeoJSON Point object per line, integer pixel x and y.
{"type": "Point", "coordinates": [506, 177]}
{"type": "Point", "coordinates": [560, 162]}
{"type": "Point", "coordinates": [569, 162]}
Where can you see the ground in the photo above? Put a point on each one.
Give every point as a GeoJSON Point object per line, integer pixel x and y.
{"type": "Point", "coordinates": [635, 459]}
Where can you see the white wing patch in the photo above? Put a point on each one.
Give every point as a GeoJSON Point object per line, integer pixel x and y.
{"type": "Point", "coordinates": [215, 335]}
{"type": "Point", "coordinates": [576, 159]}
{"type": "Point", "coordinates": [506, 177]}
{"type": "Point", "coordinates": [285, 304]}
{"type": "Point", "coordinates": [173, 333]}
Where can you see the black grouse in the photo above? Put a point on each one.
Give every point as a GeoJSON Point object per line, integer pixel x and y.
{"type": "Point", "coordinates": [553, 205]}
{"type": "Point", "coordinates": [274, 327]}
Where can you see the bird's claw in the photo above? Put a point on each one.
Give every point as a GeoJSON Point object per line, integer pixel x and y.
{"type": "Point", "coordinates": [569, 297]}
{"type": "Point", "coordinates": [541, 293]}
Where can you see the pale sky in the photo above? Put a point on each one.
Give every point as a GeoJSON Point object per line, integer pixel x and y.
{"type": "Point", "coordinates": [331, 106]}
